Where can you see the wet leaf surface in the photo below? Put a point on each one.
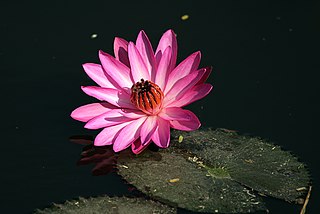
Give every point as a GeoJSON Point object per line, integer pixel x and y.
{"type": "Point", "coordinates": [215, 170]}
{"type": "Point", "coordinates": [193, 187]}
{"type": "Point", "coordinates": [258, 164]}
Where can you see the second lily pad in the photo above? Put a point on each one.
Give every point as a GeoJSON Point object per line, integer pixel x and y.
{"type": "Point", "coordinates": [108, 205]}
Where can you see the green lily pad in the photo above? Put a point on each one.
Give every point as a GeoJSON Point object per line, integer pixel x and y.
{"type": "Point", "coordinates": [178, 182]}
{"type": "Point", "coordinates": [251, 161]}
{"type": "Point", "coordinates": [215, 171]}
{"type": "Point", "coordinates": [105, 204]}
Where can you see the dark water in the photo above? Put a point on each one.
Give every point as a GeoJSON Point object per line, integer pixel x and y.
{"type": "Point", "coordinates": [265, 56]}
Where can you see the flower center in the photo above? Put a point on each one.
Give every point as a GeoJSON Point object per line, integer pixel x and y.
{"type": "Point", "coordinates": [147, 96]}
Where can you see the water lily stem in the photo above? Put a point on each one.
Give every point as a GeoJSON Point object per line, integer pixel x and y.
{"type": "Point", "coordinates": [304, 207]}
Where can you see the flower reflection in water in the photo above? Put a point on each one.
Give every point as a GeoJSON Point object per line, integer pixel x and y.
{"type": "Point", "coordinates": [104, 157]}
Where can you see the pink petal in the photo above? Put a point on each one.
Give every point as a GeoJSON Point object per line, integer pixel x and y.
{"type": "Point", "coordinates": [138, 68]}
{"type": "Point", "coordinates": [113, 96]}
{"type": "Point", "coordinates": [175, 113]}
{"type": "Point", "coordinates": [116, 70]}
{"type": "Point", "coordinates": [182, 86]}
{"type": "Point", "coordinates": [205, 75]}
{"type": "Point", "coordinates": [96, 73]}
{"type": "Point", "coordinates": [110, 118]}
{"type": "Point", "coordinates": [137, 147]}
{"type": "Point", "coordinates": [147, 129]}
{"type": "Point", "coordinates": [108, 135]}
{"type": "Point", "coordinates": [161, 136]}
{"type": "Point", "coordinates": [89, 111]}
{"type": "Point", "coordinates": [128, 134]}
{"type": "Point", "coordinates": [163, 68]}
{"type": "Point", "coordinates": [194, 94]}
{"type": "Point", "coordinates": [133, 114]}
{"type": "Point", "coordinates": [186, 67]}
{"type": "Point", "coordinates": [168, 39]}
{"type": "Point", "coordinates": [145, 49]}
{"type": "Point", "coordinates": [120, 47]}
{"type": "Point", "coordinates": [190, 125]}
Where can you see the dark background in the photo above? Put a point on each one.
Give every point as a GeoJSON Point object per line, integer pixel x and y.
{"type": "Point", "coordinates": [265, 56]}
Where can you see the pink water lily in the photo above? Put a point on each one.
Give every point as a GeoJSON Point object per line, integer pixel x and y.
{"type": "Point", "coordinates": [142, 93]}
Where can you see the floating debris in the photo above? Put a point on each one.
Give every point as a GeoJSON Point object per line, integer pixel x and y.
{"type": "Point", "coordinates": [301, 189]}
{"type": "Point", "coordinates": [184, 17]}
{"type": "Point", "coordinates": [174, 180]}
{"type": "Point", "coordinates": [123, 166]}
{"type": "Point", "coordinates": [180, 139]}
{"type": "Point", "coordinates": [93, 36]}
